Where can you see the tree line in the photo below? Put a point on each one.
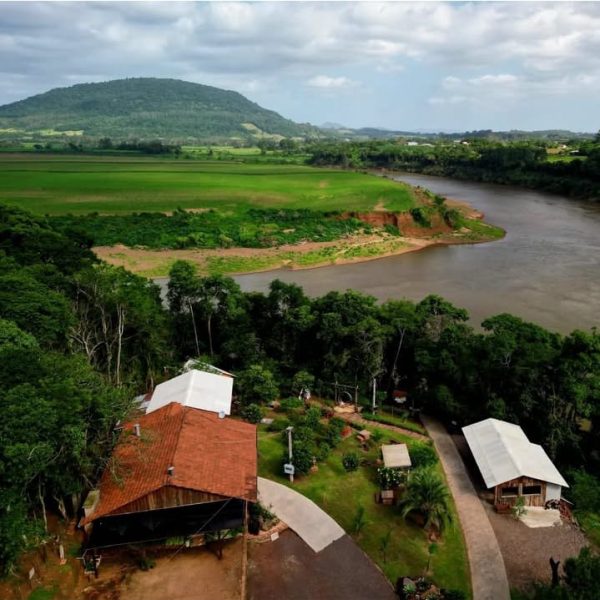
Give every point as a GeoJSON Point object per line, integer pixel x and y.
{"type": "Point", "coordinates": [79, 339]}
{"type": "Point", "coordinates": [519, 163]}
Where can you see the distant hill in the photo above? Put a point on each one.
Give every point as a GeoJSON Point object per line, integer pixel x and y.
{"type": "Point", "coordinates": [147, 108]}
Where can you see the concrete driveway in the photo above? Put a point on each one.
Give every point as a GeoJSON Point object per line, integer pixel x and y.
{"type": "Point", "coordinates": [302, 515]}
{"type": "Point", "coordinates": [488, 573]}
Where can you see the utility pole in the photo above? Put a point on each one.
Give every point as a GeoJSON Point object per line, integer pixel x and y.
{"type": "Point", "coordinates": [374, 394]}
{"type": "Point", "coordinates": [289, 432]}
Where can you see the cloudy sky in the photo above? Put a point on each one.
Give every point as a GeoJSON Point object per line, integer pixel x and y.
{"type": "Point", "coordinates": [402, 65]}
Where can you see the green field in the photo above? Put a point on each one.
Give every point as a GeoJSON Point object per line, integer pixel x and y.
{"type": "Point", "coordinates": [117, 185]}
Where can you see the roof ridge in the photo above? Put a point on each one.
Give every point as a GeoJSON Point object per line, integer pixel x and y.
{"type": "Point", "coordinates": [513, 458]}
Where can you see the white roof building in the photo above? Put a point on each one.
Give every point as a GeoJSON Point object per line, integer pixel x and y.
{"type": "Point", "coordinates": [503, 453]}
{"type": "Point", "coordinates": [198, 389]}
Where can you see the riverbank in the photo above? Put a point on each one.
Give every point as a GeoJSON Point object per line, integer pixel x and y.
{"type": "Point", "coordinates": [305, 255]}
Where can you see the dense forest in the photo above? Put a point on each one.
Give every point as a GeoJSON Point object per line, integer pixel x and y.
{"type": "Point", "coordinates": [79, 339]}
{"type": "Point", "coordinates": [522, 163]}
{"type": "Point", "coordinates": [147, 108]}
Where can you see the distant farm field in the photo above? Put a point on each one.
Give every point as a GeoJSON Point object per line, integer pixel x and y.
{"type": "Point", "coordinates": [64, 184]}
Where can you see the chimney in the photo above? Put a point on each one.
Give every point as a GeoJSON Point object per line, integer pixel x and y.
{"type": "Point", "coordinates": [170, 470]}
{"type": "Point", "coordinates": [221, 414]}
{"type": "Point", "coordinates": [136, 430]}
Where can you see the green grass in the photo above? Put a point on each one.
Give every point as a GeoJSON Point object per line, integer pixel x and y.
{"type": "Point", "coordinates": [390, 419]}
{"type": "Point", "coordinates": [43, 593]}
{"type": "Point", "coordinates": [482, 231]}
{"type": "Point", "coordinates": [590, 523]}
{"type": "Point", "coordinates": [340, 493]}
{"type": "Point", "coordinates": [60, 184]}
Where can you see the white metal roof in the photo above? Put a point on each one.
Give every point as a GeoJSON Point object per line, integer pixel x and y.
{"type": "Point", "coordinates": [395, 455]}
{"type": "Point", "coordinates": [197, 389]}
{"type": "Point", "coordinates": [503, 452]}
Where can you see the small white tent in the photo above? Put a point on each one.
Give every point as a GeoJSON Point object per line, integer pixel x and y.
{"type": "Point", "coordinates": [197, 389]}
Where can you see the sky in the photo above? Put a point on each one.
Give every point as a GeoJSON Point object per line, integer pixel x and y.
{"type": "Point", "coordinates": [432, 66]}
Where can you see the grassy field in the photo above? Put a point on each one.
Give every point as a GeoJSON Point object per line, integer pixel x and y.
{"type": "Point", "coordinates": [63, 184]}
{"type": "Point", "coordinates": [340, 493]}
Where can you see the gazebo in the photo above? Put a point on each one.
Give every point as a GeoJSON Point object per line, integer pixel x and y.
{"type": "Point", "coordinates": [395, 456]}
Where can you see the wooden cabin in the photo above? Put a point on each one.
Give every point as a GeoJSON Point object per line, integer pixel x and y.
{"type": "Point", "coordinates": [177, 471]}
{"type": "Point", "coordinates": [511, 465]}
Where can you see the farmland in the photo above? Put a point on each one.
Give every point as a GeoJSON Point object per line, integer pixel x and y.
{"type": "Point", "coordinates": [78, 185]}
{"type": "Point", "coordinates": [229, 216]}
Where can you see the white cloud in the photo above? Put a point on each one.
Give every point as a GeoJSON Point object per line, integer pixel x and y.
{"type": "Point", "coordinates": [492, 52]}
{"type": "Point", "coordinates": [331, 83]}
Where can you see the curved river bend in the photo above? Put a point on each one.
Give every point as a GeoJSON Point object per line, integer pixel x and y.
{"type": "Point", "coordinates": [546, 269]}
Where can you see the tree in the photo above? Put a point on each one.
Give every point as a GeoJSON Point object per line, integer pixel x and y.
{"type": "Point", "coordinates": [256, 384]}
{"type": "Point", "coordinates": [35, 308]}
{"type": "Point", "coordinates": [121, 324]}
{"type": "Point", "coordinates": [426, 493]}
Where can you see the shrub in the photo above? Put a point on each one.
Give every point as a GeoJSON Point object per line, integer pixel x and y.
{"type": "Point", "coordinates": [422, 455]}
{"type": "Point", "coordinates": [256, 384]}
{"type": "Point", "coordinates": [322, 451]}
{"type": "Point", "coordinates": [290, 403]}
{"type": "Point", "coordinates": [252, 413]}
{"type": "Point", "coordinates": [389, 478]}
{"type": "Point", "coordinates": [420, 216]}
{"type": "Point", "coordinates": [333, 432]}
{"type": "Point", "coordinates": [302, 456]}
{"type": "Point", "coordinates": [312, 418]}
{"type": "Point", "coordinates": [302, 379]}
{"type": "Point", "coordinates": [278, 425]}
{"type": "Point", "coordinates": [359, 520]}
{"type": "Point", "coordinates": [350, 461]}
{"type": "Point", "coordinates": [585, 491]}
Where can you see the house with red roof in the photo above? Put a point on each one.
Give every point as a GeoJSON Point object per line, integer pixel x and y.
{"type": "Point", "coordinates": [177, 471]}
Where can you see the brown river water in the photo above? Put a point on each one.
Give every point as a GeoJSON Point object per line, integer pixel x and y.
{"type": "Point", "coordinates": [546, 269]}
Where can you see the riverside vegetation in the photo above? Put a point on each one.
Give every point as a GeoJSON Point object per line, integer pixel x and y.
{"type": "Point", "coordinates": [301, 216]}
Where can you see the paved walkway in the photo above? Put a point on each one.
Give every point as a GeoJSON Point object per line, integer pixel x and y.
{"type": "Point", "coordinates": [302, 515]}
{"type": "Point", "coordinates": [488, 573]}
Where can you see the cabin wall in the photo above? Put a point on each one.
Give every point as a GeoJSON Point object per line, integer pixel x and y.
{"type": "Point", "coordinates": [167, 497]}
{"type": "Point", "coordinates": [509, 491]}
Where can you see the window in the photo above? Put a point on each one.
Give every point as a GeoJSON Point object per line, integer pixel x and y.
{"type": "Point", "coordinates": [532, 490]}
{"type": "Point", "coordinates": [508, 492]}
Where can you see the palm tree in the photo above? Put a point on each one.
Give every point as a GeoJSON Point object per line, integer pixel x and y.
{"type": "Point", "coordinates": [427, 494]}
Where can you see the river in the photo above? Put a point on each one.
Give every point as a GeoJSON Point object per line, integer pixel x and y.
{"type": "Point", "coordinates": [546, 269]}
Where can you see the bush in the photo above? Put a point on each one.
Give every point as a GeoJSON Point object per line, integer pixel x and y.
{"type": "Point", "coordinates": [278, 425]}
{"type": "Point", "coordinates": [333, 432]}
{"type": "Point", "coordinates": [256, 384]}
{"type": "Point", "coordinates": [312, 417]}
{"type": "Point", "coordinates": [422, 455]}
{"type": "Point", "coordinates": [302, 379]}
{"type": "Point", "coordinates": [252, 413]}
{"type": "Point", "coordinates": [290, 404]}
{"type": "Point", "coordinates": [389, 478]}
{"type": "Point", "coordinates": [350, 461]}
{"type": "Point", "coordinates": [585, 491]}
{"type": "Point", "coordinates": [302, 458]}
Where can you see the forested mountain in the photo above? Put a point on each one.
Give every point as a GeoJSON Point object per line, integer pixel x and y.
{"type": "Point", "coordinates": [147, 108]}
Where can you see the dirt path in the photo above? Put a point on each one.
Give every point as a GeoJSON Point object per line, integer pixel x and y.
{"type": "Point", "coordinates": [356, 418]}
{"type": "Point", "coordinates": [488, 572]}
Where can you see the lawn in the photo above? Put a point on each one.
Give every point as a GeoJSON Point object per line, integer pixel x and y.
{"type": "Point", "coordinates": [60, 184]}
{"type": "Point", "coordinates": [340, 493]}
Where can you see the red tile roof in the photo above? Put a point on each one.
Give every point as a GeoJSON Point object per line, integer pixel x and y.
{"type": "Point", "coordinates": [208, 454]}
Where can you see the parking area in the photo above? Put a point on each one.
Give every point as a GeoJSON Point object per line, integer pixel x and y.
{"type": "Point", "coordinates": [288, 568]}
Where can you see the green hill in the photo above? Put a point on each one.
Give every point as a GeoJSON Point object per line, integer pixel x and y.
{"type": "Point", "coordinates": [146, 108]}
